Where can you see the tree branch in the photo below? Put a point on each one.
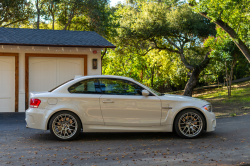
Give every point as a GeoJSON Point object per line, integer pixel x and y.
{"type": "Point", "coordinates": [69, 20]}
{"type": "Point", "coordinates": [147, 51]}
{"type": "Point", "coordinates": [165, 48]}
{"type": "Point", "coordinates": [240, 44]}
{"type": "Point", "coordinates": [171, 42]}
{"type": "Point", "coordinates": [15, 22]}
{"type": "Point", "coordinates": [205, 61]}
{"type": "Point", "coordinates": [183, 59]}
{"type": "Point", "coordinates": [105, 51]}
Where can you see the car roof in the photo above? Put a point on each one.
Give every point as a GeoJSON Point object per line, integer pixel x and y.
{"type": "Point", "coordinates": [103, 76]}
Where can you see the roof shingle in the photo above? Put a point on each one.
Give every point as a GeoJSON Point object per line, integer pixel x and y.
{"type": "Point", "coordinates": [42, 37]}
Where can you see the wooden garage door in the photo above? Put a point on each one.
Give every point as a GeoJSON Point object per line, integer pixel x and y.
{"type": "Point", "coordinates": [45, 73]}
{"type": "Point", "coordinates": [7, 84]}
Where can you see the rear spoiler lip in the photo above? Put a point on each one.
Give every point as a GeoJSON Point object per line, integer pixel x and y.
{"type": "Point", "coordinates": [33, 93]}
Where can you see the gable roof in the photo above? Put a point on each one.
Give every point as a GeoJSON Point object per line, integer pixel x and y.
{"type": "Point", "coordinates": [62, 38]}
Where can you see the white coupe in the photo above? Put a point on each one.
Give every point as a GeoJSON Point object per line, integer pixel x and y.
{"type": "Point", "coordinates": [103, 103]}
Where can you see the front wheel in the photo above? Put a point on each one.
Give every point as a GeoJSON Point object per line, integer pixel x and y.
{"type": "Point", "coordinates": [65, 125]}
{"type": "Point", "coordinates": [189, 124]}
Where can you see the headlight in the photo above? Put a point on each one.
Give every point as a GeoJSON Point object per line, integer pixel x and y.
{"type": "Point", "coordinates": [208, 107]}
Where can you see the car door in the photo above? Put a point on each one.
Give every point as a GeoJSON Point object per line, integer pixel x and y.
{"type": "Point", "coordinates": [122, 104]}
{"type": "Point", "coordinates": [85, 96]}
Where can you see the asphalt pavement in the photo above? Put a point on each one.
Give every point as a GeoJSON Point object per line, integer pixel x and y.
{"type": "Point", "coordinates": [227, 145]}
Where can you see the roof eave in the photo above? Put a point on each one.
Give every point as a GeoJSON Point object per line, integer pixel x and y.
{"type": "Point", "coordinates": [58, 45]}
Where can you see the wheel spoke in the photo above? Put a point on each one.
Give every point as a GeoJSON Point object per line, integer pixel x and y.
{"type": "Point", "coordinates": [64, 126]}
{"type": "Point", "coordinates": [190, 124]}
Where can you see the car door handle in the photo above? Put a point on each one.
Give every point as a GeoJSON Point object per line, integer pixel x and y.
{"type": "Point", "coordinates": [166, 107]}
{"type": "Point", "coordinates": [108, 101]}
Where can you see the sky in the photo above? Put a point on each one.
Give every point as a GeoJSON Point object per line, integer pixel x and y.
{"type": "Point", "coordinates": [114, 2]}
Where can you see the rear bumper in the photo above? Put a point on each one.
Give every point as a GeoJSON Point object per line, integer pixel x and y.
{"type": "Point", "coordinates": [35, 118]}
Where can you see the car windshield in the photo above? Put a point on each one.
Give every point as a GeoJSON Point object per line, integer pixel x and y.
{"type": "Point", "coordinates": [157, 93]}
{"type": "Point", "coordinates": [154, 91]}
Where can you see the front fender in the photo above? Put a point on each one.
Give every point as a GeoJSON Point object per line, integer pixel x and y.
{"type": "Point", "coordinates": [170, 114]}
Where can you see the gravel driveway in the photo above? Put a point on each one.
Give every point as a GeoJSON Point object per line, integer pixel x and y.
{"type": "Point", "coordinates": [228, 145]}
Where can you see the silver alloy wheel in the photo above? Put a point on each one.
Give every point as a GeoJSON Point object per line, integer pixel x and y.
{"type": "Point", "coordinates": [64, 126]}
{"type": "Point", "coordinates": [190, 124]}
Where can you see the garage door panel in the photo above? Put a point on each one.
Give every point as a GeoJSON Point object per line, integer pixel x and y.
{"type": "Point", "coordinates": [42, 74]}
{"type": "Point", "coordinates": [7, 84]}
{"type": "Point", "coordinates": [45, 73]}
{"type": "Point", "coordinates": [67, 68]}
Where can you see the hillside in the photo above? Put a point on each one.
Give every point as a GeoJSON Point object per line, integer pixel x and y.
{"type": "Point", "coordinates": [224, 106]}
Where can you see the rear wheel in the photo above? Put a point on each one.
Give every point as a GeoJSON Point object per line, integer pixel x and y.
{"type": "Point", "coordinates": [189, 124]}
{"type": "Point", "coordinates": [65, 125]}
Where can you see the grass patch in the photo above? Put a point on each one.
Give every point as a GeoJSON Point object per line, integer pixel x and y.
{"type": "Point", "coordinates": [223, 106]}
{"type": "Point", "coordinates": [237, 95]}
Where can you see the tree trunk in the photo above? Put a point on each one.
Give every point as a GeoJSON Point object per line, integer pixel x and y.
{"type": "Point", "coordinates": [102, 56]}
{"type": "Point", "coordinates": [227, 78]}
{"type": "Point", "coordinates": [53, 24]}
{"type": "Point", "coordinates": [69, 21]}
{"type": "Point", "coordinates": [142, 73]}
{"type": "Point", "coordinates": [194, 77]}
{"type": "Point", "coordinates": [231, 77]}
{"type": "Point", "coordinates": [218, 81]}
{"type": "Point", "coordinates": [38, 15]}
{"type": "Point", "coordinates": [152, 77]}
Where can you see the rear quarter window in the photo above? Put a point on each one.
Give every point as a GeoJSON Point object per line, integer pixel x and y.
{"type": "Point", "coordinates": [90, 86]}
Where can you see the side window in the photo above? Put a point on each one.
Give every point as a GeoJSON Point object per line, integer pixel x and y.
{"type": "Point", "coordinates": [90, 86]}
{"type": "Point", "coordinates": [119, 87]}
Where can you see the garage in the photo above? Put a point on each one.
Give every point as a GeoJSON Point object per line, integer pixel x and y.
{"type": "Point", "coordinates": [35, 60]}
{"type": "Point", "coordinates": [45, 73]}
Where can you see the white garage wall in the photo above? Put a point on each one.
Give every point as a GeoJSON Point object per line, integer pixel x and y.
{"type": "Point", "coordinates": [22, 50]}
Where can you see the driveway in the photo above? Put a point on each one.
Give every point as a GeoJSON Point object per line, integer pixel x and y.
{"type": "Point", "coordinates": [228, 145]}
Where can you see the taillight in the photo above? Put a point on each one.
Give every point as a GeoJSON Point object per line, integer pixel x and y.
{"type": "Point", "coordinates": [34, 103]}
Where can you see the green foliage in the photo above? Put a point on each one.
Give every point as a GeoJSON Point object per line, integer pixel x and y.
{"type": "Point", "coordinates": [224, 50]}
{"type": "Point", "coordinates": [233, 114]}
{"type": "Point", "coordinates": [233, 12]}
{"type": "Point", "coordinates": [13, 12]}
{"type": "Point", "coordinates": [157, 69]}
{"type": "Point", "coordinates": [149, 35]}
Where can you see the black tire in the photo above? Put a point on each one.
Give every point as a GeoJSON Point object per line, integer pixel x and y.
{"type": "Point", "coordinates": [185, 123]}
{"type": "Point", "coordinates": [66, 126]}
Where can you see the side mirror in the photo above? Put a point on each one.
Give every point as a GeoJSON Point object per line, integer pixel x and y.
{"type": "Point", "coordinates": [145, 92]}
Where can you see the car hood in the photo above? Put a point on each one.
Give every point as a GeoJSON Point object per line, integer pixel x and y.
{"type": "Point", "coordinates": [182, 98]}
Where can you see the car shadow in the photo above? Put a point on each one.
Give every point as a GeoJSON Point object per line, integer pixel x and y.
{"type": "Point", "coordinates": [120, 136]}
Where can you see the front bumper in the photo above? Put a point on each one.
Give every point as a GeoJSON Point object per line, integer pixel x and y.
{"type": "Point", "coordinates": [36, 118]}
{"type": "Point", "coordinates": [211, 121]}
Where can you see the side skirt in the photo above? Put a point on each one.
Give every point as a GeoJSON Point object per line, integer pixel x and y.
{"type": "Point", "coordinates": [102, 128]}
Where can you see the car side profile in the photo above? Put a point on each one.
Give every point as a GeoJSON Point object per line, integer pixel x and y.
{"type": "Point", "coordinates": [103, 103]}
